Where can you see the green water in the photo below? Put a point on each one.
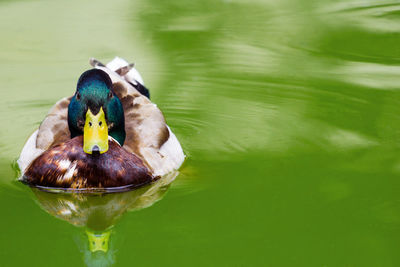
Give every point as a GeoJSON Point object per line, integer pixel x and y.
{"type": "Point", "coordinates": [288, 112]}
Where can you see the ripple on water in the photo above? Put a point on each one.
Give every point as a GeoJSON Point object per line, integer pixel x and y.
{"type": "Point", "coordinates": [377, 17]}
{"type": "Point", "coordinates": [363, 37]}
{"type": "Point", "coordinates": [286, 81]}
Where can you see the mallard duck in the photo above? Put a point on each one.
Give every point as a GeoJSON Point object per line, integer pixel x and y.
{"type": "Point", "coordinates": [107, 135]}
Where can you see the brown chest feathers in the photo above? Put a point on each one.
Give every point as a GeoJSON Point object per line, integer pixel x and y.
{"type": "Point", "coordinates": [68, 166]}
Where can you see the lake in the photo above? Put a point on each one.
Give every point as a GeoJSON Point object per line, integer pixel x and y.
{"type": "Point", "coordinates": [288, 112]}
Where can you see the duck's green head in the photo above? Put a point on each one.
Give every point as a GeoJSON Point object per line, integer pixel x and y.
{"type": "Point", "coordinates": [96, 112]}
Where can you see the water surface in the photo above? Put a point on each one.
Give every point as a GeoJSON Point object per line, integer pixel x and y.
{"type": "Point", "coordinates": [288, 112]}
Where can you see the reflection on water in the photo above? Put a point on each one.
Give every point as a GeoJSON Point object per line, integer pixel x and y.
{"type": "Point", "coordinates": [97, 249]}
{"type": "Point", "coordinates": [98, 213]}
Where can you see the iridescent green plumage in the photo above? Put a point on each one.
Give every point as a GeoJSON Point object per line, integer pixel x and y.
{"type": "Point", "coordinates": [94, 91]}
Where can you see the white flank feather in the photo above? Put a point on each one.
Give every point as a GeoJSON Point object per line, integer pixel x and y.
{"type": "Point", "coordinates": [29, 152]}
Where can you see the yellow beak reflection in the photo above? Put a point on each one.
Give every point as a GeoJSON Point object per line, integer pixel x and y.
{"type": "Point", "coordinates": [98, 242]}
{"type": "Point", "coordinates": [95, 133]}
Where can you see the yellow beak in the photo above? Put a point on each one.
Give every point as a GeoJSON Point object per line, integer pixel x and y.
{"type": "Point", "coordinates": [95, 133]}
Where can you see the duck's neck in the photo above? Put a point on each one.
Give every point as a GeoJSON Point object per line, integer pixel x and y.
{"type": "Point", "coordinates": [118, 134]}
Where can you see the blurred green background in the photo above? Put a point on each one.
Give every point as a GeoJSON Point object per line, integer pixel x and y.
{"type": "Point", "coordinates": [288, 112]}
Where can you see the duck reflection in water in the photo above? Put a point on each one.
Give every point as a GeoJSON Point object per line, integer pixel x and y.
{"type": "Point", "coordinates": [97, 213]}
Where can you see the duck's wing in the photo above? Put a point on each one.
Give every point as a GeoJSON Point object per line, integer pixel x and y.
{"type": "Point", "coordinates": [54, 128]}
{"type": "Point", "coordinates": [52, 131]}
{"type": "Point", "coordinates": [147, 133]}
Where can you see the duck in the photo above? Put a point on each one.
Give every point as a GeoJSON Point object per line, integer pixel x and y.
{"type": "Point", "coordinates": [108, 134]}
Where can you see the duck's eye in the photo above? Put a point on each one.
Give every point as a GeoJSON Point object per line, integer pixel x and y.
{"type": "Point", "coordinates": [78, 96]}
{"type": "Point", "coordinates": [80, 124]}
{"type": "Point", "coordinates": [100, 123]}
{"type": "Point", "coordinates": [110, 94]}
{"type": "Point", "coordinates": [90, 124]}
